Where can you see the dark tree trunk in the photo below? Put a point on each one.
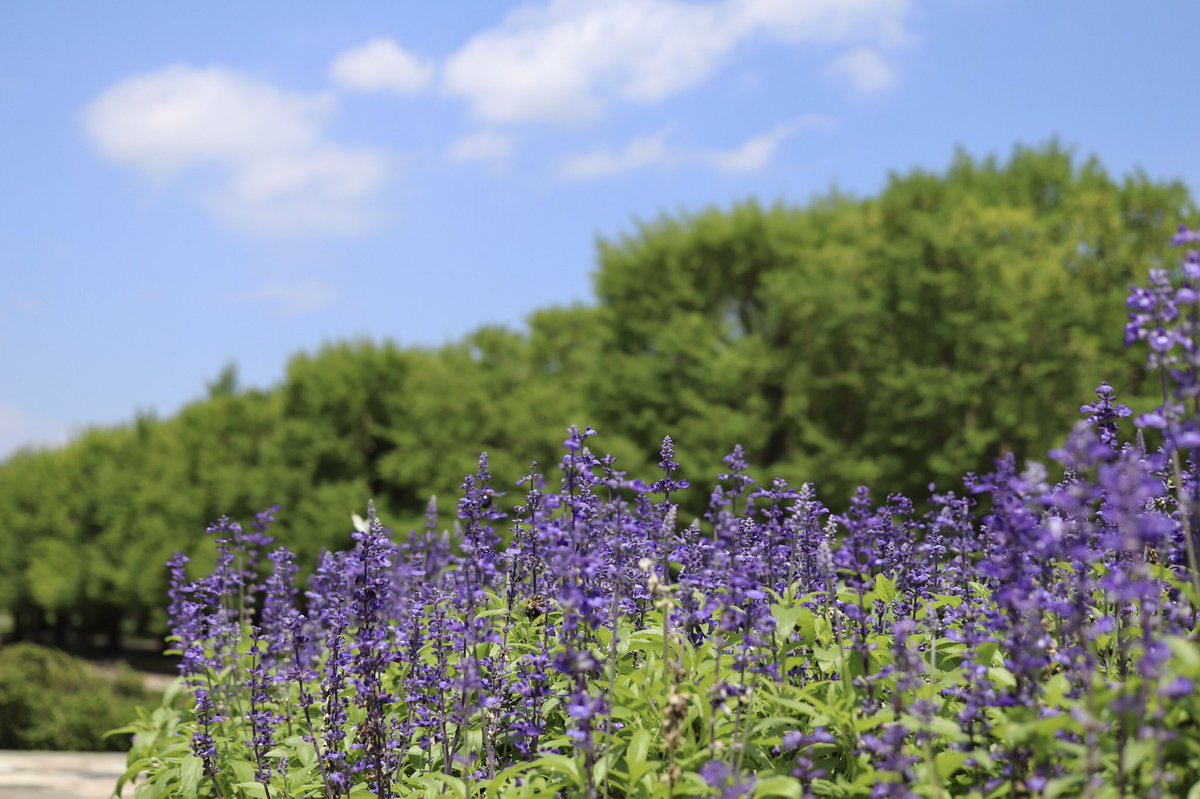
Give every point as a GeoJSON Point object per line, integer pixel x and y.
{"type": "Point", "coordinates": [112, 630]}
{"type": "Point", "coordinates": [62, 628]}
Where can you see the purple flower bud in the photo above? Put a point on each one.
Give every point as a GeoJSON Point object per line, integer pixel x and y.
{"type": "Point", "coordinates": [1177, 689]}
{"type": "Point", "coordinates": [1185, 236]}
{"type": "Point", "coordinates": [1188, 439]}
{"type": "Point", "coordinates": [1154, 420]}
{"type": "Point", "coordinates": [1191, 265]}
{"type": "Point", "coordinates": [1140, 301]}
{"type": "Point", "coordinates": [1133, 333]}
{"type": "Point", "coordinates": [1161, 341]}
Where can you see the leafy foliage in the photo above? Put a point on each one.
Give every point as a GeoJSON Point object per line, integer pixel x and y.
{"type": "Point", "coordinates": [892, 341]}
{"type": "Point", "coordinates": [49, 700]}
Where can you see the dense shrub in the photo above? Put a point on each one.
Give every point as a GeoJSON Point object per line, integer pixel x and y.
{"type": "Point", "coordinates": [50, 700]}
{"type": "Point", "coordinates": [1031, 635]}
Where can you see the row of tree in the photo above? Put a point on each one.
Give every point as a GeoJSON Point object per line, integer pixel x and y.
{"type": "Point", "coordinates": [890, 341]}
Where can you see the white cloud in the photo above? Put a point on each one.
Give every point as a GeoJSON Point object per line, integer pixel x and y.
{"type": "Point", "coordinates": [648, 152]}
{"type": "Point", "coordinates": [293, 299]}
{"type": "Point", "coordinates": [864, 69]}
{"type": "Point", "coordinates": [640, 153]}
{"type": "Point", "coordinates": [20, 429]}
{"type": "Point", "coordinates": [564, 62]}
{"type": "Point", "coordinates": [829, 21]}
{"type": "Point", "coordinates": [381, 65]}
{"type": "Point", "coordinates": [486, 146]}
{"type": "Point", "coordinates": [276, 171]}
{"type": "Point", "coordinates": [755, 154]}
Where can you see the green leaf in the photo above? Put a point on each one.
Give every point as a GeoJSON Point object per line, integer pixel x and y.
{"type": "Point", "coordinates": [131, 772]}
{"type": "Point", "coordinates": [1136, 753]}
{"type": "Point", "coordinates": [947, 728]}
{"type": "Point", "coordinates": [786, 616]}
{"type": "Point", "coordinates": [944, 601]}
{"type": "Point", "coordinates": [457, 787]}
{"type": "Point", "coordinates": [635, 754]}
{"type": "Point", "coordinates": [561, 764]}
{"type": "Point", "coordinates": [1186, 653]}
{"type": "Point", "coordinates": [779, 785]}
{"type": "Point", "coordinates": [600, 771]}
{"type": "Point", "coordinates": [306, 753]}
{"type": "Point", "coordinates": [190, 775]}
{"type": "Point", "coordinates": [949, 762]}
{"type": "Point", "coordinates": [885, 589]}
{"type": "Point", "coordinates": [243, 770]}
{"type": "Point", "coordinates": [1002, 677]}
{"type": "Point", "coordinates": [503, 780]}
{"type": "Point", "coordinates": [1068, 786]}
{"type": "Point", "coordinates": [1056, 689]}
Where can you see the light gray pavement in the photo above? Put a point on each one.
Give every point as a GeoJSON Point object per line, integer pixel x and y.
{"type": "Point", "coordinates": [60, 775]}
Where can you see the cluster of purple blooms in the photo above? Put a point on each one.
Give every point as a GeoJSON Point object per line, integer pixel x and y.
{"type": "Point", "coordinates": [468, 654]}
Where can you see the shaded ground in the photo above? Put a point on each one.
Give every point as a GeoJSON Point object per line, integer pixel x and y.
{"type": "Point", "coordinates": [60, 775]}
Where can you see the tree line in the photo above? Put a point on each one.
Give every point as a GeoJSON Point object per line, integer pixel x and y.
{"type": "Point", "coordinates": [951, 318]}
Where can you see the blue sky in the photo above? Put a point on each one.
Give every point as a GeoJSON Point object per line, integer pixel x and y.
{"type": "Point", "coordinates": [187, 187]}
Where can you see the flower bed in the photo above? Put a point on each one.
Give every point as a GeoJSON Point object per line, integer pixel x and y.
{"type": "Point", "coordinates": [1026, 636]}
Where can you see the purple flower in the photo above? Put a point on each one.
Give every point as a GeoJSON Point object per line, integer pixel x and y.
{"type": "Point", "coordinates": [262, 719]}
{"type": "Point", "coordinates": [371, 587]}
{"type": "Point", "coordinates": [669, 467]}
{"type": "Point", "coordinates": [279, 606]}
{"type": "Point", "coordinates": [1160, 340]}
{"type": "Point", "coordinates": [1184, 237]}
{"type": "Point", "coordinates": [719, 775]}
{"type": "Point", "coordinates": [1177, 689]}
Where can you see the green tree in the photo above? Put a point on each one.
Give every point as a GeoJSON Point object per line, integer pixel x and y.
{"type": "Point", "coordinates": [890, 341]}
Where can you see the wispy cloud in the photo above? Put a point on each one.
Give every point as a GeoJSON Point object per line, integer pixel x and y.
{"type": "Point", "coordinates": [276, 170]}
{"type": "Point", "coordinates": [755, 154]}
{"type": "Point", "coordinates": [486, 146]}
{"type": "Point", "coordinates": [640, 153]}
{"type": "Point", "coordinates": [293, 299]}
{"type": "Point", "coordinates": [864, 69]}
{"type": "Point", "coordinates": [656, 152]}
{"type": "Point", "coordinates": [21, 428]}
{"type": "Point", "coordinates": [566, 61]}
{"type": "Point", "coordinates": [381, 65]}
